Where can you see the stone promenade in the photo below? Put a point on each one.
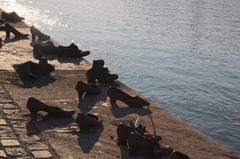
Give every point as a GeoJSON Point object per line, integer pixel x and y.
{"type": "Point", "coordinates": [23, 138]}
{"type": "Point", "coordinates": [17, 137]}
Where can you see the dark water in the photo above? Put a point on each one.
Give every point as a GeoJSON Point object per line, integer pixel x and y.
{"type": "Point", "coordinates": [183, 54]}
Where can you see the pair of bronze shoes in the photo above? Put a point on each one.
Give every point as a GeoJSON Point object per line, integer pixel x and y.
{"type": "Point", "coordinates": [42, 44]}
{"type": "Point", "coordinates": [83, 120]}
{"type": "Point", "coordinates": [125, 129]}
{"type": "Point", "coordinates": [47, 47]}
{"type": "Point", "coordinates": [136, 138]}
{"type": "Point", "coordinates": [31, 69]}
{"type": "Point", "coordinates": [139, 145]}
{"type": "Point", "coordinates": [100, 73]}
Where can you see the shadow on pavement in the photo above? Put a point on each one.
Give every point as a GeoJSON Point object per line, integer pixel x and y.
{"type": "Point", "coordinates": [88, 138]}
{"type": "Point", "coordinates": [30, 83]}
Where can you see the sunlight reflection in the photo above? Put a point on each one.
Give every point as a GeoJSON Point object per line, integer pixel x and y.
{"type": "Point", "coordinates": [33, 16]}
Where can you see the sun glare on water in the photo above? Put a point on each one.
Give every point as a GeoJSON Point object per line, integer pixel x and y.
{"type": "Point", "coordinates": [32, 15]}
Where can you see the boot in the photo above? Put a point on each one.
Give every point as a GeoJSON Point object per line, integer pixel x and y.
{"type": "Point", "coordinates": [98, 63]}
{"type": "Point", "coordinates": [105, 77]}
{"type": "Point", "coordinates": [12, 17]}
{"type": "Point", "coordinates": [123, 132]}
{"type": "Point", "coordinates": [88, 120]}
{"type": "Point", "coordinates": [100, 73]}
{"type": "Point", "coordinates": [82, 88]}
{"type": "Point", "coordinates": [35, 105]}
{"type": "Point", "coordinates": [117, 94]}
{"type": "Point", "coordinates": [42, 68]}
{"type": "Point", "coordinates": [160, 151]}
{"type": "Point", "coordinates": [93, 72]}
{"type": "Point", "coordinates": [138, 145]}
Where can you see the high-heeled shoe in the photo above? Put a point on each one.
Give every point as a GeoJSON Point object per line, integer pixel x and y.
{"type": "Point", "coordinates": [82, 88]}
{"type": "Point", "coordinates": [35, 106]}
{"type": "Point", "coordinates": [139, 145]}
{"type": "Point", "coordinates": [117, 94]}
{"type": "Point", "coordinates": [38, 35]}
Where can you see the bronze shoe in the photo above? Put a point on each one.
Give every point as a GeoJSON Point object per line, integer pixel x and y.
{"type": "Point", "coordinates": [35, 106]}
{"type": "Point", "coordinates": [82, 88]}
{"type": "Point", "coordinates": [117, 94]}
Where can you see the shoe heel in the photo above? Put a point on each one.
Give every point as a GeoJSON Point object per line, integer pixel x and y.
{"type": "Point", "coordinates": [32, 107]}
{"type": "Point", "coordinates": [112, 95]}
{"type": "Point", "coordinates": [80, 87]}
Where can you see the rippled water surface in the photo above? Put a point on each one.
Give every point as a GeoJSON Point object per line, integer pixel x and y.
{"type": "Point", "coordinates": [183, 54]}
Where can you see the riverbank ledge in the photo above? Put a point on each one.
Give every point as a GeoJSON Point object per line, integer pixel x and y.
{"type": "Point", "coordinates": [53, 138]}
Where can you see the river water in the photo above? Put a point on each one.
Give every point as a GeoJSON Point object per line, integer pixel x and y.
{"type": "Point", "coordinates": [182, 54]}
